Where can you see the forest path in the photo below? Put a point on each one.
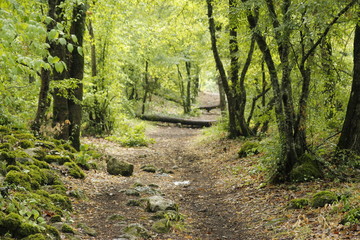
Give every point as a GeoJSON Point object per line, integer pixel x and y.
{"type": "Point", "coordinates": [212, 211]}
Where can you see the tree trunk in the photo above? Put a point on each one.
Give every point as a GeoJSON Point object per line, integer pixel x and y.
{"type": "Point", "coordinates": [77, 72]}
{"type": "Point", "coordinates": [222, 96]}
{"type": "Point", "coordinates": [350, 133]}
{"type": "Point", "coordinates": [55, 12]}
{"type": "Point", "coordinates": [188, 87]}
{"type": "Point", "coordinates": [146, 87]}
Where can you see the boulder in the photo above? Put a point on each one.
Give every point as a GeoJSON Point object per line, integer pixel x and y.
{"type": "Point", "coordinates": [161, 226]}
{"type": "Point", "coordinates": [119, 167]}
{"type": "Point", "coordinates": [158, 203]}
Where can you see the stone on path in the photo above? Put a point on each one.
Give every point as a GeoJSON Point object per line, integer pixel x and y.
{"type": "Point", "coordinates": [158, 203]}
{"type": "Point", "coordinates": [135, 231]}
{"type": "Point", "coordinates": [118, 167]}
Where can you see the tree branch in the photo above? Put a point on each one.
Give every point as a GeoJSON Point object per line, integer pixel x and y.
{"type": "Point", "coordinates": [323, 35]}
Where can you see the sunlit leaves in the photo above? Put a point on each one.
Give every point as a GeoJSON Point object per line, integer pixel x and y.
{"type": "Point", "coordinates": [70, 47]}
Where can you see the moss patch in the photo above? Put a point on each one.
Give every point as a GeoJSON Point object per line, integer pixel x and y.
{"type": "Point", "coordinates": [57, 159]}
{"type": "Point", "coordinates": [298, 203]}
{"type": "Point", "coordinates": [307, 170]}
{"type": "Point", "coordinates": [322, 198]}
{"type": "Point", "coordinates": [74, 170]}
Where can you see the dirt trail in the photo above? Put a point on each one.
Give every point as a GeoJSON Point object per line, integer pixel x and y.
{"type": "Point", "coordinates": [195, 184]}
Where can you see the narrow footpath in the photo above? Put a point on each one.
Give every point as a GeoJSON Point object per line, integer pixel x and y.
{"type": "Point", "coordinates": [187, 174]}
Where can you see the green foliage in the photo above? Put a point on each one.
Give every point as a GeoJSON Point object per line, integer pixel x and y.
{"type": "Point", "coordinates": [248, 149]}
{"type": "Point", "coordinates": [61, 201]}
{"type": "Point", "coordinates": [307, 169]}
{"type": "Point", "coordinates": [131, 135]}
{"type": "Point", "coordinates": [298, 203]}
{"type": "Point", "coordinates": [351, 217]}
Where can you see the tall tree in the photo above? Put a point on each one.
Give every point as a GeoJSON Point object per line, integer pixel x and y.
{"type": "Point", "coordinates": [291, 126]}
{"type": "Point", "coordinates": [350, 133]}
{"type": "Point", "coordinates": [76, 71]}
{"type": "Point", "coordinates": [234, 89]}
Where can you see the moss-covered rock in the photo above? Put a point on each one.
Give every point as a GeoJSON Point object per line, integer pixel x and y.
{"type": "Point", "coordinates": [55, 218]}
{"type": "Point", "coordinates": [12, 222]}
{"type": "Point", "coordinates": [26, 144]}
{"type": "Point", "coordinates": [248, 149]}
{"type": "Point", "coordinates": [298, 203]}
{"type": "Point", "coordinates": [8, 156]}
{"type": "Point", "coordinates": [45, 144]}
{"type": "Point", "coordinates": [19, 178]}
{"type": "Point", "coordinates": [13, 167]}
{"type": "Point", "coordinates": [136, 230]}
{"type": "Point", "coordinates": [322, 198]}
{"type": "Point", "coordinates": [10, 139]}
{"type": "Point", "coordinates": [37, 153]}
{"type": "Point", "coordinates": [61, 201]}
{"type": "Point", "coordinates": [6, 146]}
{"type": "Point", "coordinates": [119, 167]}
{"type": "Point", "coordinates": [24, 136]}
{"type": "Point", "coordinates": [55, 189]}
{"type": "Point", "coordinates": [88, 230]}
{"type": "Point", "coordinates": [53, 232]}
{"type": "Point", "coordinates": [5, 130]}
{"type": "Point", "coordinates": [161, 226]}
{"type": "Point", "coordinates": [28, 228]}
{"type": "Point", "coordinates": [149, 168]}
{"type": "Point", "coordinates": [67, 147]}
{"type": "Point", "coordinates": [37, 236]}
{"type": "Point", "coordinates": [41, 164]}
{"type": "Point", "coordinates": [308, 169]}
{"type": "Point", "coordinates": [57, 159]}
{"type": "Point", "coordinates": [67, 229]}
{"type": "Point", "coordinates": [74, 170]}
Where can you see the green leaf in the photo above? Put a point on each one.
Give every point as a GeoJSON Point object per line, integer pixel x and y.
{"type": "Point", "coordinates": [60, 26]}
{"type": "Point", "coordinates": [59, 67]}
{"type": "Point", "coordinates": [52, 59]}
{"type": "Point", "coordinates": [35, 213]}
{"type": "Point", "coordinates": [80, 50]}
{"type": "Point", "coordinates": [62, 41]}
{"type": "Point", "coordinates": [70, 47]}
{"type": "Point", "coordinates": [74, 38]}
{"type": "Point", "coordinates": [53, 34]}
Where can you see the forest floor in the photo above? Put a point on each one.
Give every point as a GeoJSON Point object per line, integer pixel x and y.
{"type": "Point", "coordinates": [219, 195]}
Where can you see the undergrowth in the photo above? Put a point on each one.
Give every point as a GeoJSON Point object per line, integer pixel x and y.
{"type": "Point", "coordinates": [31, 189]}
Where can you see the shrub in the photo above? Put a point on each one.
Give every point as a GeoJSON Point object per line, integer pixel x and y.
{"type": "Point", "coordinates": [351, 217]}
{"type": "Point", "coordinates": [249, 149]}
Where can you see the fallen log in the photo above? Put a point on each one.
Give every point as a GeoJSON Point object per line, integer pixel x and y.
{"type": "Point", "coordinates": [183, 121]}
{"type": "Point", "coordinates": [209, 108]}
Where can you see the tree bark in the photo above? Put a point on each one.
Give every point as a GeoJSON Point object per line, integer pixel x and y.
{"type": "Point", "coordinates": [146, 87]}
{"type": "Point", "coordinates": [77, 72]}
{"type": "Point", "coordinates": [350, 133]}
